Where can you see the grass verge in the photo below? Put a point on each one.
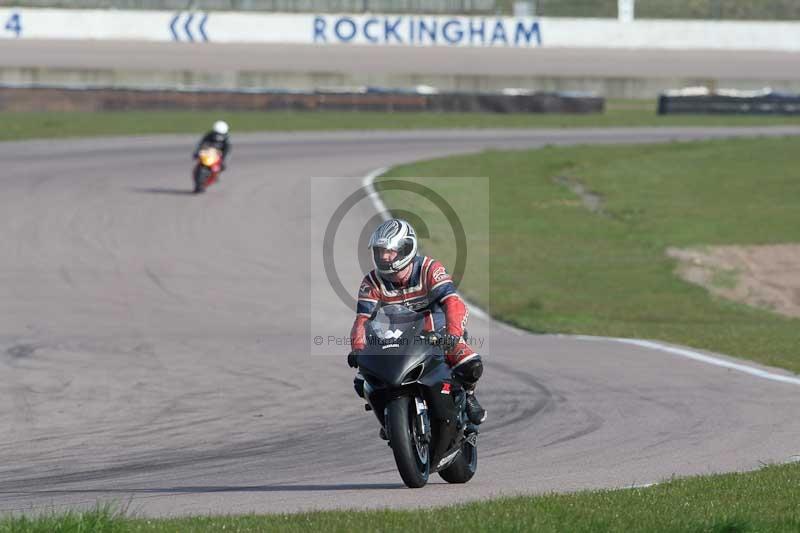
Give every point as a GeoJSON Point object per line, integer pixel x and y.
{"type": "Point", "coordinates": [557, 266]}
{"type": "Point", "coordinates": [765, 500]}
{"type": "Point", "coordinates": [18, 126]}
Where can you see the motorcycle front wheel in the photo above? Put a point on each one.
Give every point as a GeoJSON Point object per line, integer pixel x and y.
{"type": "Point", "coordinates": [200, 176]}
{"type": "Point", "coordinates": [411, 453]}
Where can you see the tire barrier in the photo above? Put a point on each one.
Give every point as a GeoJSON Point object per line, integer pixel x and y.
{"type": "Point", "coordinates": [60, 98]}
{"type": "Point", "coordinates": [729, 102]}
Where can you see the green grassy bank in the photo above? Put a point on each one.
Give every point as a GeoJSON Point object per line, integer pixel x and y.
{"type": "Point", "coordinates": [18, 126]}
{"type": "Point", "coordinates": [762, 501]}
{"type": "Point", "coordinates": [557, 266]}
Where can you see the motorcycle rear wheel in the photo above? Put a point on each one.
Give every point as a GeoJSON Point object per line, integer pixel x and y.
{"type": "Point", "coordinates": [412, 457]}
{"type": "Point", "coordinates": [464, 467]}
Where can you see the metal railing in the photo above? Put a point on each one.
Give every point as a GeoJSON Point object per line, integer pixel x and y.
{"type": "Point", "coordinates": [290, 6]}
{"type": "Point", "coordinates": [660, 9]}
{"type": "Point", "coordinates": [668, 9]}
{"type": "Point", "coordinates": [719, 9]}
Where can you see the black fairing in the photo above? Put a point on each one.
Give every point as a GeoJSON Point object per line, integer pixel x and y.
{"type": "Point", "coordinates": [390, 368]}
{"type": "Point", "coordinates": [396, 346]}
{"type": "Point", "coordinates": [391, 362]}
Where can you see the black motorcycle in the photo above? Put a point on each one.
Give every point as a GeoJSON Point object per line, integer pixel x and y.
{"type": "Point", "coordinates": [421, 407]}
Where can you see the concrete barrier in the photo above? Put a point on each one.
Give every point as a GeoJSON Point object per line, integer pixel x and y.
{"type": "Point", "coordinates": [613, 87]}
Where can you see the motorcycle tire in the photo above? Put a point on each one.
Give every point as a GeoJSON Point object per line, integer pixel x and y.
{"type": "Point", "coordinates": [414, 470]}
{"type": "Point", "coordinates": [464, 467]}
{"type": "Point", "coordinates": [200, 176]}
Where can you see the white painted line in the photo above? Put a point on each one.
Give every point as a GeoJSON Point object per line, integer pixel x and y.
{"type": "Point", "coordinates": [716, 361]}
{"type": "Point", "coordinates": [369, 184]}
{"type": "Point", "coordinates": [696, 356]}
{"type": "Point", "coordinates": [641, 486]}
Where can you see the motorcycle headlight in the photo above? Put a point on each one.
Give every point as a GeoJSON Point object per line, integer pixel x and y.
{"type": "Point", "coordinates": [209, 156]}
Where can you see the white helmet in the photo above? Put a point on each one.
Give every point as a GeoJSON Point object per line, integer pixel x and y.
{"type": "Point", "coordinates": [394, 234]}
{"type": "Point", "coordinates": [221, 127]}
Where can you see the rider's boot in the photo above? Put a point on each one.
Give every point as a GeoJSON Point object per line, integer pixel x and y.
{"type": "Point", "coordinates": [475, 412]}
{"type": "Point", "coordinates": [468, 373]}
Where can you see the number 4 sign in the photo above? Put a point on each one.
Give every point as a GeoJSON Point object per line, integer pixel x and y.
{"type": "Point", "coordinates": [14, 24]}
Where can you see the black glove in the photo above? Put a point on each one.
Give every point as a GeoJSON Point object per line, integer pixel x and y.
{"type": "Point", "coordinates": [352, 359]}
{"type": "Point", "coordinates": [450, 341]}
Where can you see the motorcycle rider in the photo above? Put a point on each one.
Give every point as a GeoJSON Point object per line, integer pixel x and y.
{"type": "Point", "coordinates": [217, 138]}
{"type": "Point", "coordinates": [422, 284]}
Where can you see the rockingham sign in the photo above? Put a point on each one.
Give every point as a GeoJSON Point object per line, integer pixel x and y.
{"type": "Point", "coordinates": [427, 31]}
{"type": "Point", "coordinates": [396, 30]}
{"type": "Point", "coordinates": [229, 27]}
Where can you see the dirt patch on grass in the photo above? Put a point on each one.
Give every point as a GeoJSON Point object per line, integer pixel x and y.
{"type": "Point", "coordinates": [762, 276]}
{"type": "Point", "coordinates": [590, 199]}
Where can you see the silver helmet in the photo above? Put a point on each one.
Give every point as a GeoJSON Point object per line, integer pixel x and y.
{"type": "Point", "coordinates": [394, 234]}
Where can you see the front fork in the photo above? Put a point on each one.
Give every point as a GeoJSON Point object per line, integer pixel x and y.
{"type": "Point", "coordinates": [422, 421]}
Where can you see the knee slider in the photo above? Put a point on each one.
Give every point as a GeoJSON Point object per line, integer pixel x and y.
{"type": "Point", "coordinates": [470, 372]}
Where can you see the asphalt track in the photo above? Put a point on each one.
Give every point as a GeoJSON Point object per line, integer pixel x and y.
{"type": "Point", "coordinates": [155, 346]}
{"type": "Point", "coordinates": [388, 60]}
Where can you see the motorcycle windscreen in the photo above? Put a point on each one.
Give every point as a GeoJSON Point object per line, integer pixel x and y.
{"type": "Point", "coordinates": [394, 346]}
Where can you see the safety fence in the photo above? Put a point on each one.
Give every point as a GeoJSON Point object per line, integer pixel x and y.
{"type": "Point", "coordinates": [667, 9]}
{"type": "Point", "coordinates": [700, 100]}
{"type": "Point", "coordinates": [659, 9]}
{"type": "Point", "coordinates": [282, 6]}
{"type": "Point", "coordinates": [55, 98]}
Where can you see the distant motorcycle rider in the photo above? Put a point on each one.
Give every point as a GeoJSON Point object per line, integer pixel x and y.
{"type": "Point", "coordinates": [217, 138]}
{"type": "Point", "coordinates": [422, 284]}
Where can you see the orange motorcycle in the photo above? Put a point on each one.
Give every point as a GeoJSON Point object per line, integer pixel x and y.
{"type": "Point", "coordinates": [207, 169]}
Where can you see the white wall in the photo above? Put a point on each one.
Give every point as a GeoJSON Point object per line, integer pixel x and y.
{"type": "Point", "coordinates": [671, 34]}
{"type": "Point", "coordinates": [396, 30]}
{"type": "Point", "coordinates": [84, 24]}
